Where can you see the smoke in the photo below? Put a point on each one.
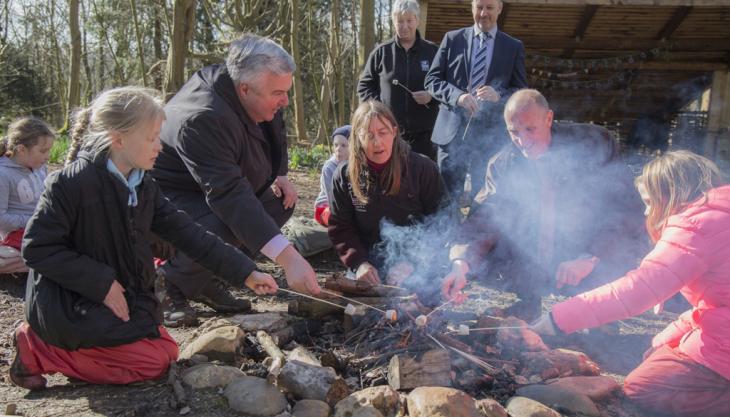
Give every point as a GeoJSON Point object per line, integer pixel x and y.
{"type": "Point", "coordinates": [577, 200]}
{"type": "Point", "coordinates": [424, 244]}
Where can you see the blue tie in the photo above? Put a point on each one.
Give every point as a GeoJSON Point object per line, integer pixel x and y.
{"type": "Point", "coordinates": [479, 66]}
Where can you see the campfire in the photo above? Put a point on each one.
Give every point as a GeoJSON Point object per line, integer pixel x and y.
{"type": "Point", "coordinates": [355, 336]}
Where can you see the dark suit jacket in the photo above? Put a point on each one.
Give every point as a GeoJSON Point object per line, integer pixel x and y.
{"type": "Point", "coordinates": [448, 77]}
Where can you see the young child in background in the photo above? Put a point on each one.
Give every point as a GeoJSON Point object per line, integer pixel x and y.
{"type": "Point", "coordinates": [686, 372]}
{"type": "Point", "coordinates": [90, 306]}
{"type": "Point", "coordinates": [25, 151]}
{"type": "Point", "coordinates": [340, 153]}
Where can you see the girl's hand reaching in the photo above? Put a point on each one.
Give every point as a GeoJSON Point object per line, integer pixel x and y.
{"type": "Point", "coordinates": [261, 283]}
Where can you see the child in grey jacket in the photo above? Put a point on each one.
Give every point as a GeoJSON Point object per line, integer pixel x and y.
{"type": "Point", "coordinates": [25, 151]}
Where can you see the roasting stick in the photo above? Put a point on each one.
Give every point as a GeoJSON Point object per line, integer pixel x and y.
{"type": "Point", "coordinates": [311, 298]}
{"type": "Point", "coordinates": [467, 356]}
{"type": "Point", "coordinates": [440, 307]}
{"type": "Point", "coordinates": [396, 82]}
{"type": "Point", "coordinates": [332, 293]}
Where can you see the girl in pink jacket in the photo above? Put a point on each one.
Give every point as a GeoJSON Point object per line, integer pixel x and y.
{"type": "Point", "coordinates": [687, 370]}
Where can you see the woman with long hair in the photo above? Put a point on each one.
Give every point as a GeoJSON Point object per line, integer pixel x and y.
{"type": "Point", "coordinates": [382, 180]}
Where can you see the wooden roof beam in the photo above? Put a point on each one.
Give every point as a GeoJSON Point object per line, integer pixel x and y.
{"type": "Point", "coordinates": [580, 29]}
{"type": "Point", "coordinates": [680, 13]}
{"type": "Point", "coordinates": [624, 44]}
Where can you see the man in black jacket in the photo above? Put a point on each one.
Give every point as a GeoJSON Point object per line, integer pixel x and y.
{"type": "Point", "coordinates": [404, 60]}
{"type": "Point", "coordinates": [558, 209]}
{"type": "Point", "coordinates": [224, 162]}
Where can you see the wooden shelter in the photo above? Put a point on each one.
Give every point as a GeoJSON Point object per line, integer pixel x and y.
{"type": "Point", "coordinates": [649, 69]}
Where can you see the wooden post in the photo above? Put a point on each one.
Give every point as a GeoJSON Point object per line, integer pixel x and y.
{"type": "Point", "coordinates": [423, 18]}
{"type": "Point", "coordinates": [717, 141]}
{"type": "Point", "coordinates": [432, 370]}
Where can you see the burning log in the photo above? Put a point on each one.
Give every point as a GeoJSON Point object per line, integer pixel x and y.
{"type": "Point", "coordinates": [362, 288]}
{"type": "Point", "coordinates": [296, 331]}
{"type": "Point", "coordinates": [311, 309]}
{"type": "Point", "coordinates": [558, 363]}
{"type": "Point", "coordinates": [312, 382]}
{"type": "Point", "coordinates": [432, 369]}
{"type": "Point", "coordinates": [521, 337]}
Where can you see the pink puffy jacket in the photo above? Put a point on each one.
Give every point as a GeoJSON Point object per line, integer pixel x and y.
{"type": "Point", "coordinates": [693, 257]}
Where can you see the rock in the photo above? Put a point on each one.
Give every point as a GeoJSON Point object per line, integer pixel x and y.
{"type": "Point", "coordinates": [441, 402]}
{"type": "Point", "coordinates": [381, 399]}
{"type": "Point", "coordinates": [367, 412]}
{"type": "Point", "coordinates": [312, 382]}
{"type": "Point", "coordinates": [301, 354]}
{"type": "Point", "coordinates": [268, 322]}
{"type": "Point", "coordinates": [595, 387]}
{"type": "Point", "coordinates": [311, 408]}
{"type": "Point", "coordinates": [208, 375]}
{"type": "Point", "coordinates": [255, 397]}
{"type": "Point", "coordinates": [525, 407]}
{"type": "Point", "coordinates": [491, 408]}
{"type": "Point", "coordinates": [198, 358]}
{"type": "Point", "coordinates": [560, 399]}
{"type": "Point", "coordinates": [218, 344]}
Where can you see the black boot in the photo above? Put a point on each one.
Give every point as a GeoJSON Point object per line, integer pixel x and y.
{"type": "Point", "coordinates": [177, 311]}
{"type": "Point", "coordinates": [216, 296]}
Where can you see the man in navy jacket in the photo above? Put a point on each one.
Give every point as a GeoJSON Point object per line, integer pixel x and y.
{"type": "Point", "coordinates": [469, 128]}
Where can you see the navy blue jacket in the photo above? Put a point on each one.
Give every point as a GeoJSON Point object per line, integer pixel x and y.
{"type": "Point", "coordinates": [448, 77]}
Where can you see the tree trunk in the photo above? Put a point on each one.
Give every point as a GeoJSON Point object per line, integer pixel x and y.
{"type": "Point", "coordinates": [140, 43]}
{"type": "Point", "coordinates": [74, 79]}
{"type": "Point", "coordinates": [157, 74]}
{"type": "Point", "coordinates": [183, 23]}
{"type": "Point", "coordinates": [367, 31]}
{"type": "Point", "coordinates": [336, 49]}
{"type": "Point", "coordinates": [299, 122]}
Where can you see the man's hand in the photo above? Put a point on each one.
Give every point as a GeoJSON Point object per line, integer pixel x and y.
{"type": "Point", "coordinates": [573, 272]}
{"type": "Point", "coordinates": [368, 273]}
{"type": "Point", "coordinates": [544, 326]}
{"type": "Point", "coordinates": [282, 186]}
{"type": "Point", "coordinates": [116, 302]}
{"type": "Point", "coordinates": [468, 102]}
{"type": "Point", "coordinates": [399, 273]}
{"type": "Point", "coordinates": [299, 274]}
{"type": "Point", "coordinates": [261, 283]}
{"type": "Point", "coordinates": [455, 281]}
{"type": "Point", "coordinates": [487, 93]}
{"type": "Point", "coordinates": [422, 97]}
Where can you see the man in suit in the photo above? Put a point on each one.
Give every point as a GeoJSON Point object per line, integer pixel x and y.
{"type": "Point", "coordinates": [473, 74]}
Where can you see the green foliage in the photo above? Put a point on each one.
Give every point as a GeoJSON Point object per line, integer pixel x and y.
{"type": "Point", "coordinates": [59, 150]}
{"type": "Point", "coordinates": [305, 157]}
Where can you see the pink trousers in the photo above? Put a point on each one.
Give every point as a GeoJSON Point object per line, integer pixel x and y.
{"type": "Point", "coordinates": [138, 361]}
{"type": "Point", "coordinates": [672, 383]}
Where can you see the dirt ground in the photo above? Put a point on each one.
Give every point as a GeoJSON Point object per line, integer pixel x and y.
{"type": "Point", "coordinates": [617, 354]}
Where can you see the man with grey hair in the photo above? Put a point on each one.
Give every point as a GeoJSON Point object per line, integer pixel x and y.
{"type": "Point", "coordinates": [394, 75]}
{"type": "Point", "coordinates": [224, 162]}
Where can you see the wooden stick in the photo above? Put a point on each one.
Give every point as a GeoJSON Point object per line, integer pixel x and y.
{"type": "Point", "coordinates": [334, 294]}
{"type": "Point", "coordinates": [270, 346]}
{"type": "Point", "coordinates": [440, 307]}
{"type": "Point", "coordinates": [489, 328]}
{"type": "Point", "coordinates": [311, 298]}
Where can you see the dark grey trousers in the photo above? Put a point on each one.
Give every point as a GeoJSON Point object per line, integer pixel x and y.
{"type": "Point", "coordinates": [190, 276]}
